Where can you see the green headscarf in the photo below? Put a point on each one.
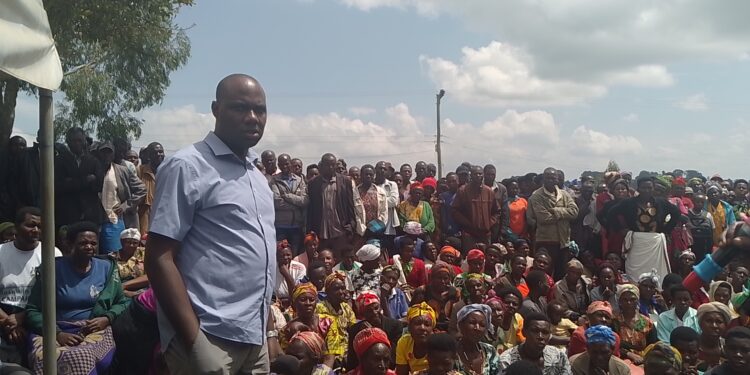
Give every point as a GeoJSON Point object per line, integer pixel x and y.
{"type": "Point", "coordinates": [5, 226]}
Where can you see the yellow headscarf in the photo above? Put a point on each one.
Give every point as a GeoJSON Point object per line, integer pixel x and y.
{"type": "Point", "coordinates": [302, 289]}
{"type": "Point", "coordinates": [422, 309]}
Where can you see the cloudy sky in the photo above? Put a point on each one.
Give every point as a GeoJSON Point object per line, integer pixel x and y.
{"type": "Point", "coordinates": [530, 84]}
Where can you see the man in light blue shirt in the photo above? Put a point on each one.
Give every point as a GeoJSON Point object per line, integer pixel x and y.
{"type": "Point", "coordinates": [210, 255]}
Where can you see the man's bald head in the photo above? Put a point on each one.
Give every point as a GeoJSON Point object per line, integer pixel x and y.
{"type": "Point", "coordinates": [231, 81]}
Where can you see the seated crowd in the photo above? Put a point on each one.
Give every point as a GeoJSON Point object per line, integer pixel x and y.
{"type": "Point", "coordinates": [380, 272]}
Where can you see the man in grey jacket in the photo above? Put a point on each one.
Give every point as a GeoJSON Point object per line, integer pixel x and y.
{"type": "Point", "coordinates": [289, 200]}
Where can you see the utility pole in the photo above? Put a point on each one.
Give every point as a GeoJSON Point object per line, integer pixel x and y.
{"type": "Point", "coordinates": [437, 146]}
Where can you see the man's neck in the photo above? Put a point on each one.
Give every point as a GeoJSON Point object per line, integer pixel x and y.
{"type": "Point", "coordinates": [379, 180]}
{"type": "Point", "coordinates": [681, 316]}
{"type": "Point", "coordinates": [553, 191]}
{"type": "Point", "coordinates": [526, 354]}
{"type": "Point", "coordinates": [25, 245]}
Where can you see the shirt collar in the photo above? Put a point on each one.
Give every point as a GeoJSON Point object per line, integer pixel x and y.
{"type": "Point", "coordinates": [219, 148]}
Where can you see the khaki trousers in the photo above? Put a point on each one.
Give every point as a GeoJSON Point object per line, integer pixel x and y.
{"type": "Point", "coordinates": [211, 355]}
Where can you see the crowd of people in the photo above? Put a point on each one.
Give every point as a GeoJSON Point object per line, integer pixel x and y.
{"type": "Point", "coordinates": [163, 265]}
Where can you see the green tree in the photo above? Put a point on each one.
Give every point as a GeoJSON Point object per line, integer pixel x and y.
{"type": "Point", "coordinates": [612, 166]}
{"type": "Point", "coordinates": [116, 56]}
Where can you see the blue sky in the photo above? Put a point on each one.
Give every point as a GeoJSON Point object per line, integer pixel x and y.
{"type": "Point", "coordinates": [529, 84]}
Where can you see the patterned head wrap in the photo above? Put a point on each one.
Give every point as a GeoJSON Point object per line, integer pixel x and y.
{"type": "Point", "coordinates": [618, 182]}
{"type": "Point", "coordinates": [611, 176]}
{"type": "Point", "coordinates": [665, 181]}
{"type": "Point", "coordinates": [302, 289]}
{"type": "Point", "coordinates": [600, 334]}
{"type": "Point", "coordinates": [474, 254]}
{"type": "Point", "coordinates": [422, 309]}
{"type": "Point", "coordinates": [500, 248]}
{"type": "Point", "coordinates": [717, 307]}
{"type": "Point", "coordinates": [477, 307]}
{"type": "Point", "coordinates": [312, 340]}
{"type": "Point", "coordinates": [441, 266]}
{"type": "Point", "coordinates": [599, 306]}
{"type": "Point", "coordinates": [627, 288]}
{"type": "Point", "coordinates": [713, 187]}
{"type": "Point", "coordinates": [363, 300]}
{"type": "Point", "coordinates": [467, 277]}
{"type": "Point", "coordinates": [368, 337]}
{"type": "Point", "coordinates": [695, 181]}
{"type": "Point", "coordinates": [662, 351]}
{"type": "Point", "coordinates": [283, 244]}
{"type": "Point", "coordinates": [130, 233]}
{"type": "Point", "coordinates": [368, 252]}
{"type": "Point", "coordinates": [450, 250]}
{"type": "Point", "coordinates": [333, 277]}
{"type": "Point", "coordinates": [311, 238]}
{"type": "Point", "coordinates": [413, 228]}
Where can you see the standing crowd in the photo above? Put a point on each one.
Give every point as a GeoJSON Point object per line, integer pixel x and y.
{"type": "Point", "coordinates": [219, 260]}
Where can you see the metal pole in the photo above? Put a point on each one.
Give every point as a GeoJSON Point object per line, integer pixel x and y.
{"type": "Point", "coordinates": [437, 146]}
{"type": "Point", "coordinates": [46, 158]}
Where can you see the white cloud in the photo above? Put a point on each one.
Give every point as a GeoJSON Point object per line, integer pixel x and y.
{"type": "Point", "coordinates": [694, 103]}
{"type": "Point", "coordinates": [631, 117]}
{"type": "Point", "coordinates": [362, 111]}
{"type": "Point", "coordinates": [592, 142]}
{"type": "Point", "coordinates": [642, 76]}
{"type": "Point", "coordinates": [500, 74]}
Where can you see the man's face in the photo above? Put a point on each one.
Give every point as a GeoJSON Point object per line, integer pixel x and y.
{"type": "Point", "coordinates": [285, 165]}
{"type": "Point", "coordinates": [368, 176]}
{"type": "Point", "coordinates": [421, 170]}
{"type": "Point", "coordinates": [550, 180]}
{"type": "Point", "coordinates": [600, 353]}
{"type": "Point", "coordinates": [269, 162]}
{"type": "Point", "coordinates": [541, 262]}
{"type": "Point", "coordinates": [380, 171]}
{"type": "Point", "coordinates": [30, 228]}
{"type": "Point", "coordinates": [587, 189]}
{"type": "Point", "coordinates": [740, 190]}
{"type": "Point", "coordinates": [737, 351]}
{"type": "Point", "coordinates": [537, 334]}
{"type": "Point", "coordinates": [646, 189]}
{"type": "Point", "coordinates": [340, 167]}
{"type": "Point", "coordinates": [398, 179]}
{"type": "Point", "coordinates": [560, 177]}
{"type": "Point", "coordinates": [477, 176]}
{"type": "Point", "coordinates": [76, 143]}
{"type": "Point", "coordinates": [18, 144]}
{"type": "Point", "coordinates": [452, 181]}
{"type": "Point", "coordinates": [689, 351]}
{"type": "Point", "coordinates": [156, 156]}
{"type": "Point", "coordinates": [327, 167]}
{"type": "Point", "coordinates": [406, 172]}
{"type": "Point", "coordinates": [682, 301]}
{"type": "Point", "coordinates": [713, 195]}
{"type": "Point", "coordinates": [489, 176]}
{"type": "Point", "coordinates": [121, 148]}
{"type": "Point", "coordinates": [354, 174]}
{"type": "Point", "coordinates": [740, 275]}
{"type": "Point", "coordinates": [240, 113]}
{"type": "Point", "coordinates": [297, 167]}
{"type": "Point", "coordinates": [132, 157]}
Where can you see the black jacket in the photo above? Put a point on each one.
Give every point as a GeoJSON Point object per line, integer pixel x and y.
{"type": "Point", "coordinates": [344, 202]}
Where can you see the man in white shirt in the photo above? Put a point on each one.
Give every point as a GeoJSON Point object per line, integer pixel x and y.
{"type": "Point", "coordinates": [392, 194]}
{"type": "Point", "coordinates": [19, 261]}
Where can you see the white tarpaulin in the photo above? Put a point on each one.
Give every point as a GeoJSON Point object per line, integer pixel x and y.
{"type": "Point", "coordinates": [27, 50]}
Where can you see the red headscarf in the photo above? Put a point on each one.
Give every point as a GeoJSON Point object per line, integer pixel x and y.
{"type": "Point", "coordinates": [368, 337]}
{"type": "Point", "coordinates": [363, 300]}
{"type": "Point", "coordinates": [311, 238]}
{"type": "Point", "coordinates": [429, 181]}
{"type": "Point", "coordinates": [312, 340]}
{"type": "Point", "coordinates": [416, 185]}
{"type": "Point", "coordinates": [474, 254]}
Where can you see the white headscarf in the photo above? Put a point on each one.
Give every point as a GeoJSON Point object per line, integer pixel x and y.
{"type": "Point", "coordinates": [131, 233]}
{"type": "Point", "coordinates": [368, 252]}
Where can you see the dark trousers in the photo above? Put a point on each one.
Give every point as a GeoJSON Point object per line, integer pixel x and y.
{"type": "Point", "coordinates": [294, 236]}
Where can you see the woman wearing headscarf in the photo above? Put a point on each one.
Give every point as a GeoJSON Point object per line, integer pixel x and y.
{"type": "Point", "coordinates": [311, 243]}
{"type": "Point", "coordinates": [721, 211]}
{"type": "Point", "coordinates": [599, 358]}
{"type": "Point", "coordinates": [635, 329]}
{"type": "Point", "coordinates": [341, 314]}
{"type": "Point", "coordinates": [373, 350]}
{"type": "Point", "coordinates": [572, 291]}
{"type": "Point", "coordinates": [713, 319]}
{"type": "Point", "coordinates": [309, 347]}
{"type": "Point", "coordinates": [413, 272]}
{"type": "Point", "coordinates": [89, 298]}
{"type": "Point", "coordinates": [474, 263]}
{"type": "Point", "coordinates": [368, 309]}
{"type": "Point", "coordinates": [367, 277]}
{"type": "Point", "coordinates": [439, 293]}
{"type": "Point", "coordinates": [7, 232]}
{"type": "Point", "coordinates": [598, 313]}
{"type": "Point", "coordinates": [473, 291]}
{"type": "Point", "coordinates": [411, 350]}
{"type": "Point", "coordinates": [130, 262]}
{"type": "Point", "coordinates": [474, 356]}
{"type": "Point", "coordinates": [415, 209]}
{"type": "Point", "coordinates": [304, 300]}
{"type": "Point", "coordinates": [685, 263]}
{"type": "Point", "coordinates": [721, 291]}
{"type": "Point", "coordinates": [450, 255]}
{"type": "Point", "coordinates": [662, 359]}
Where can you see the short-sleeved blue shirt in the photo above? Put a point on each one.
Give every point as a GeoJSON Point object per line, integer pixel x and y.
{"type": "Point", "coordinates": [221, 210]}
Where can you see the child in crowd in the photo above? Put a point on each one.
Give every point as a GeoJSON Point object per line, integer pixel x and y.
{"type": "Point", "coordinates": [681, 314]}
{"type": "Point", "coordinates": [441, 355]}
{"type": "Point", "coordinates": [562, 328]}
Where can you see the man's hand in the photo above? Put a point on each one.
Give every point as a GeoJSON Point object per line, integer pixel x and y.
{"type": "Point", "coordinates": [10, 323]}
{"type": "Point", "coordinates": [69, 339]}
{"type": "Point", "coordinates": [95, 325]}
{"type": "Point", "coordinates": [17, 336]}
{"type": "Point", "coordinates": [118, 210]}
